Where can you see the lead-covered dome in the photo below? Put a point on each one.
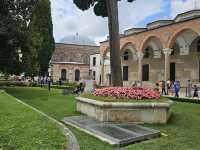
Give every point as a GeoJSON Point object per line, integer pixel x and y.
{"type": "Point", "coordinates": [78, 40]}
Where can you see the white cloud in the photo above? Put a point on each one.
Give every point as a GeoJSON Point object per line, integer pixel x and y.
{"type": "Point", "coordinates": [180, 6]}
{"type": "Point", "coordinates": [68, 20]}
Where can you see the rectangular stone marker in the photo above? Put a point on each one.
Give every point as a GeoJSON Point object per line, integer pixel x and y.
{"type": "Point", "coordinates": [89, 86]}
{"type": "Point", "coordinates": [115, 134]}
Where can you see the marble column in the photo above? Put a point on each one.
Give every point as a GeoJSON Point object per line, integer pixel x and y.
{"type": "Point", "coordinates": [140, 56]}
{"type": "Point", "coordinates": [102, 70]}
{"type": "Point", "coordinates": [167, 52]}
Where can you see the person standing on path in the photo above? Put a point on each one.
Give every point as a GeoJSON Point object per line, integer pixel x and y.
{"type": "Point", "coordinates": [163, 88]}
{"type": "Point", "coordinates": [177, 88]}
{"type": "Point", "coordinates": [168, 86]}
{"type": "Point", "coordinates": [195, 95]}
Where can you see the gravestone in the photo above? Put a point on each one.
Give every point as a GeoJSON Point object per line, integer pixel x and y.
{"type": "Point", "coordinates": [89, 86]}
{"type": "Point", "coordinates": [115, 134]}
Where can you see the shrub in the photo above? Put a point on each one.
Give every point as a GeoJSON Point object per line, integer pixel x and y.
{"type": "Point", "coordinates": [127, 93]}
{"type": "Point", "coordinates": [196, 101]}
{"type": "Point", "coordinates": [13, 83]}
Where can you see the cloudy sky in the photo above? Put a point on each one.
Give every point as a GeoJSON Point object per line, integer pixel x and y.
{"type": "Point", "coordinates": [69, 20]}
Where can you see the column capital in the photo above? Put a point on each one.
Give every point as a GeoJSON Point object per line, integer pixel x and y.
{"type": "Point", "coordinates": [167, 51]}
{"type": "Point", "coordinates": [140, 55]}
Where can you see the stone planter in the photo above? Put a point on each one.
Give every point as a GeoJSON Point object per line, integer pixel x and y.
{"type": "Point", "coordinates": [125, 112]}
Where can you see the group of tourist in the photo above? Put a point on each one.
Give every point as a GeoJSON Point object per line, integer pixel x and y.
{"type": "Point", "coordinates": [79, 89]}
{"type": "Point", "coordinates": [172, 88]}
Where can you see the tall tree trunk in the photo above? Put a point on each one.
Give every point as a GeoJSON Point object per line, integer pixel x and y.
{"type": "Point", "coordinates": [113, 24]}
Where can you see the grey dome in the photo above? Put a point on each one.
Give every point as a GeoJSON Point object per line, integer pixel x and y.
{"type": "Point", "coordinates": [78, 40]}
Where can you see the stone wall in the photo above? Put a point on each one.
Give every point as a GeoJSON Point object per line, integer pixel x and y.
{"type": "Point", "coordinates": [125, 112]}
{"type": "Point", "coordinates": [70, 68]}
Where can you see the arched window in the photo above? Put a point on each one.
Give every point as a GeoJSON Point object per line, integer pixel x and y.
{"type": "Point", "coordinates": [64, 74]}
{"type": "Point", "coordinates": [77, 75]}
{"type": "Point", "coordinates": [125, 55]}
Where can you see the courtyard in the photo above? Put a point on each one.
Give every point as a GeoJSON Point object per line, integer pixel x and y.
{"type": "Point", "coordinates": [180, 133]}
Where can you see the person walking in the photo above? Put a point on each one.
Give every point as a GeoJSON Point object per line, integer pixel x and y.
{"type": "Point", "coordinates": [168, 86]}
{"type": "Point", "coordinates": [177, 88]}
{"type": "Point", "coordinates": [195, 95]}
{"type": "Point", "coordinates": [163, 88]}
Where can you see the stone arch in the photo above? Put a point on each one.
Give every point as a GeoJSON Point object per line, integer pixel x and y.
{"type": "Point", "coordinates": [154, 46]}
{"type": "Point", "coordinates": [63, 74]}
{"type": "Point", "coordinates": [130, 49]}
{"type": "Point", "coordinates": [149, 38]}
{"type": "Point", "coordinates": [77, 74]}
{"type": "Point", "coordinates": [173, 38]}
{"type": "Point", "coordinates": [195, 45]}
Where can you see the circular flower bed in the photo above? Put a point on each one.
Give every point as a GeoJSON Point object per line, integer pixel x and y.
{"type": "Point", "coordinates": [127, 93]}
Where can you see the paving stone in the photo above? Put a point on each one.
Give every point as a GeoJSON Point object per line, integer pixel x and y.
{"type": "Point", "coordinates": [115, 134]}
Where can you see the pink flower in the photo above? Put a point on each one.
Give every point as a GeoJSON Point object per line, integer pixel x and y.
{"type": "Point", "coordinates": [127, 93]}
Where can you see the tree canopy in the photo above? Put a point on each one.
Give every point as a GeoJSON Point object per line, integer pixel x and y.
{"type": "Point", "coordinates": [41, 38]}
{"type": "Point", "coordinates": [26, 36]}
{"type": "Point", "coordinates": [14, 18]}
{"type": "Point", "coordinates": [100, 8]}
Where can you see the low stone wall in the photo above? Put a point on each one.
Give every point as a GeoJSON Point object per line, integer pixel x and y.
{"type": "Point", "coordinates": [125, 112]}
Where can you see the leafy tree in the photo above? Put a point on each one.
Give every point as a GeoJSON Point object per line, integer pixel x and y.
{"type": "Point", "coordinates": [41, 38]}
{"type": "Point", "coordinates": [108, 8]}
{"type": "Point", "coordinates": [15, 15]}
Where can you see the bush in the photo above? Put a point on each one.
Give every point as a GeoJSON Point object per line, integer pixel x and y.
{"type": "Point", "coordinates": [13, 83]}
{"type": "Point", "coordinates": [196, 101]}
{"type": "Point", "coordinates": [65, 84]}
{"type": "Point", "coordinates": [127, 93]}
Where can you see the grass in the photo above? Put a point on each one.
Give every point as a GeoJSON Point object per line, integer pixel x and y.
{"type": "Point", "coordinates": [112, 99]}
{"type": "Point", "coordinates": [182, 130]}
{"type": "Point", "coordinates": [21, 128]}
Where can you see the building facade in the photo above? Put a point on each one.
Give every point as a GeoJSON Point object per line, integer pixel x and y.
{"type": "Point", "coordinates": [95, 67]}
{"type": "Point", "coordinates": [164, 49]}
{"type": "Point", "coordinates": [70, 62]}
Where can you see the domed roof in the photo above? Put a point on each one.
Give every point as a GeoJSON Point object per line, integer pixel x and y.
{"type": "Point", "coordinates": [78, 40]}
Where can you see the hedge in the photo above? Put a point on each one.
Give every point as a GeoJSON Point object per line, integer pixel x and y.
{"type": "Point", "coordinates": [34, 84]}
{"type": "Point", "coordinates": [13, 83]}
{"type": "Point", "coordinates": [196, 101]}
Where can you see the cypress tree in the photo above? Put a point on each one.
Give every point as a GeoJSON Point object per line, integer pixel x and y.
{"type": "Point", "coordinates": [41, 38]}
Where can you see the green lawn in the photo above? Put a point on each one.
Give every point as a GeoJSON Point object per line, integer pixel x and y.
{"type": "Point", "coordinates": [21, 128]}
{"type": "Point", "coordinates": [182, 130]}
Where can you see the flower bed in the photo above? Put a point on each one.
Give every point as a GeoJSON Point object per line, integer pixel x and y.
{"type": "Point", "coordinates": [127, 93]}
{"type": "Point", "coordinates": [123, 104]}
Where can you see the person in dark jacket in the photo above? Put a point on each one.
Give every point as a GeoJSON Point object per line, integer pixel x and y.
{"type": "Point", "coordinates": [195, 95]}
{"type": "Point", "coordinates": [177, 88]}
{"type": "Point", "coordinates": [163, 88]}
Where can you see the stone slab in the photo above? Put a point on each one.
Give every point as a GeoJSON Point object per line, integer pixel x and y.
{"type": "Point", "coordinates": [115, 134]}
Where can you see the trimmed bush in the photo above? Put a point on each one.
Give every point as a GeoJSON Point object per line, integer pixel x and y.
{"type": "Point", "coordinates": [196, 101]}
{"type": "Point", "coordinates": [13, 83]}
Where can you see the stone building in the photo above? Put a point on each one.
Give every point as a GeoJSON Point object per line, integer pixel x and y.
{"type": "Point", "coordinates": [71, 58]}
{"type": "Point", "coordinates": [164, 49]}
{"type": "Point", "coordinates": [95, 67]}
